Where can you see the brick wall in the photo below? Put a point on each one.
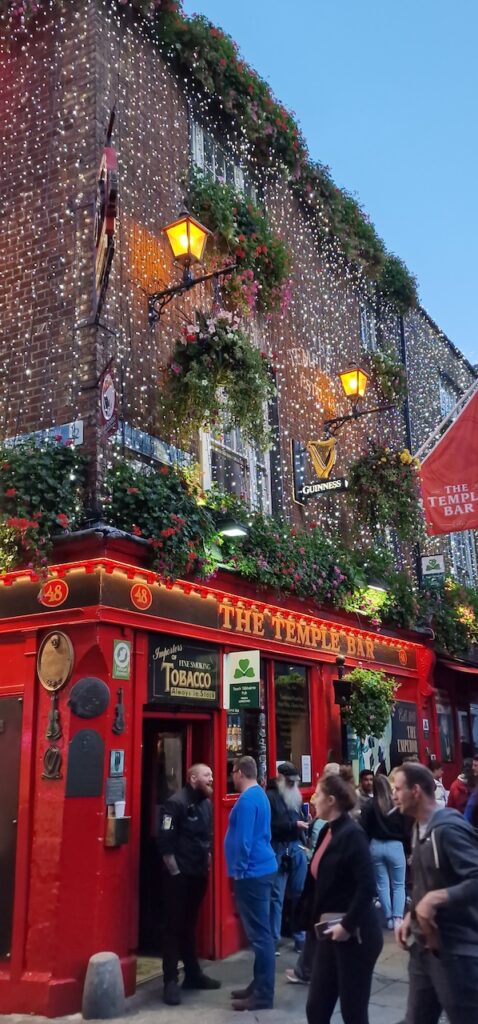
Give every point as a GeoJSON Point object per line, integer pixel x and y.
{"type": "Point", "coordinates": [59, 86]}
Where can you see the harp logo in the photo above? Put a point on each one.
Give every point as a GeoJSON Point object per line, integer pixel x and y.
{"type": "Point", "coordinates": [323, 455]}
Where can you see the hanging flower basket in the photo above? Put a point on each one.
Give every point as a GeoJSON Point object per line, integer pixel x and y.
{"type": "Point", "coordinates": [371, 700]}
{"type": "Point", "coordinates": [383, 492]}
{"type": "Point", "coordinates": [217, 380]}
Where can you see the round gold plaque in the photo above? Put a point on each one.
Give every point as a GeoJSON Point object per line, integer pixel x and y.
{"type": "Point", "coordinates": [55, 661]}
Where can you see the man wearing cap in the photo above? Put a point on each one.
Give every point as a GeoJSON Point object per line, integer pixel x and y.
{"type": "Point", "coordinates": [288, 830]}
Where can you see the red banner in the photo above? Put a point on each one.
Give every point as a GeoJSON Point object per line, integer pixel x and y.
{"type": "Point", "coordinates": [449, 476]}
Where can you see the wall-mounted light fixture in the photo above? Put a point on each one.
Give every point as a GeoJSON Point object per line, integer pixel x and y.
{"type": "Point", "coordinates": [354, 383]}
{"type": "Point", "coordinates": [187, 239]}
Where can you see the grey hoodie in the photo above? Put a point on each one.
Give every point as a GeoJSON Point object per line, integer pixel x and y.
{"type": "Point", "coordinates": [447, 858]}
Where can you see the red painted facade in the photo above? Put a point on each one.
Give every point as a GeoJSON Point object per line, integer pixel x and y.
{"type": "Point", "coordinates": [74, 896]}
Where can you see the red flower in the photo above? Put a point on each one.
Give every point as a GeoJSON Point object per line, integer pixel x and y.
{"type": "Point", "coordinates": [11, 492]}
{"type": "Point", "coordinates": [164, 469]}
{"type": "Point", "coordinates": [168, 532]}
{"type": "Point", "coordinates": [63, 520]}
{"type": "Point", "coordinates": [5, 465]}
{"type": "Point", "coordinates": [58, 437]}
{"type": "Point", "coordinates": [133, 490]}
{"type": "Point", "coordinates": [137, 532]}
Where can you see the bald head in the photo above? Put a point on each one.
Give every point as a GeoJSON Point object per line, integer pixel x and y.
{"type": "Point", "coordinates": [200, 777]}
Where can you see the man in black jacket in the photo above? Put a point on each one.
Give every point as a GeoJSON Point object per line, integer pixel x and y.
{"type": "Point", "coordinates": [184, 841]}
{"type": "Point", "coordinates": [288, 829]}
{"type": "Point", "coordinates": [441, 930]}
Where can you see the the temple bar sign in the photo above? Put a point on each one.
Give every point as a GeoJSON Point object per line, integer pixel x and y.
{"type": "Point", "coordinates": [313, 635]}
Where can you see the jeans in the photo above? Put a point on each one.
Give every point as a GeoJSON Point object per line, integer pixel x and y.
{"type": "Point", "coordinates": [295, 879]}
{"type": "Point", "coordinates": [183, 895]}
{"type": "Point", "coordinates": [389, 864]}
{"type": "Point", "coordinates": [253, 902]}
{"type": "Point", "coordinates": [447, 982]}
{"type": "Point", "coordinates": [343, 970]}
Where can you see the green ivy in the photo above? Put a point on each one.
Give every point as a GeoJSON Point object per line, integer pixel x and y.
{"type": "Point", "coordinates": [42, 494]}
{"type": "Point", "coordinates": [216, 380]}
{"type": "Point", "coordinates": [383, 492]}
{"type": "Point", "coordinates": [243, 236]}
{"type": "Point", "coordinates": [390, 375]}
{"type": "Point", "coordinates": [452, 613]}
{"type": "Point", "coordinates": [371, 701]}
{"type": "Point", "coordinates": [161, 507]}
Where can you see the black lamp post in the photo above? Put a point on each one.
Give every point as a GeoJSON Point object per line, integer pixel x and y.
{"type": "Point", "coordinates": [187, 238]}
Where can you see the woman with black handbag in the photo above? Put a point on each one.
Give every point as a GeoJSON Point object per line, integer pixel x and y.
{"type": "Point", "coordinates": [339, 897]}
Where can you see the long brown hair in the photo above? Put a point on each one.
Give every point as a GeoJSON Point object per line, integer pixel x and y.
{"type": "Point", "coordinates": [382, 793]}
{"type": "Point", "coordinates": [341, 790]}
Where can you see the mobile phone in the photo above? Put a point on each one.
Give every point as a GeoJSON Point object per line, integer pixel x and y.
{"type": "Point", "coordinates": [322, 927]}
{"type": "Point", "coordinates": [306, 808]}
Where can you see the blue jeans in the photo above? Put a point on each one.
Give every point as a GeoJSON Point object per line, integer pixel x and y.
{"type": "Point", "coordinates": [253, 902]}
{"type": "Point", "coordinates": [295, 879]}
{"type": "Point", "coordinates": [389, 864]}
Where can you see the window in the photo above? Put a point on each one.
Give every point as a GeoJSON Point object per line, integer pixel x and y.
{"type": "Point", "coordinates": [216, 161]}
{"type": "Point", "coordinates": [463, 557]}
{"type": "Point", "coordinates": [449, 395]}
{"type": "Point", "coordinates": [236, 468]}
{"type": "Point", "coordinates": [291, 697]}
{"type": "Point", "coordinates": [247, 735]}
{"type": "Point", "coordinates": [368, 329]}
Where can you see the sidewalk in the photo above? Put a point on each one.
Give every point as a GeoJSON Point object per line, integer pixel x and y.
{"type": "Point", "coordinates": [387, 1005]}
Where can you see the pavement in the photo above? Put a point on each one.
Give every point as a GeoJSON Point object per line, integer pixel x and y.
{"type": "Point", "coordinates": [387, 1004]}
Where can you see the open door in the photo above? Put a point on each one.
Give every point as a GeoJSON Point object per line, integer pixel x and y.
{"type": "Point", "coordinates": [170, 746]}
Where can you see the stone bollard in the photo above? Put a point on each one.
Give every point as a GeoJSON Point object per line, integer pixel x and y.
{"type": "Point", "coordinates": [103, 991]}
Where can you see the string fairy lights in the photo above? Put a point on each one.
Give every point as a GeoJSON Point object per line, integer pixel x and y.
{"type": "Point", "coordinates": [62, 75]}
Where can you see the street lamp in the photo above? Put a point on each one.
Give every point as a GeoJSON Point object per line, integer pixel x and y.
{"type": "Point", "coordinates": [354, 383]}
{"type": "Point", "coordinates": [187, 239]}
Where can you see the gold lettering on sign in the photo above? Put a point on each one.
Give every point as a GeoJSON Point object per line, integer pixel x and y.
{"type": "Point", "coordinates": [274, 626]}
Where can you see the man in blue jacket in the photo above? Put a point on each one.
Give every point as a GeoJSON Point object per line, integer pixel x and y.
{"type": "Point", "coordinates": [441, 930]}
{"type": "Point", "coordinates": [252, 864]}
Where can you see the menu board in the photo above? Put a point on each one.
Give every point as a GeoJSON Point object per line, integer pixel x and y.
{"type": "Point", "coordinates": [404, 742]}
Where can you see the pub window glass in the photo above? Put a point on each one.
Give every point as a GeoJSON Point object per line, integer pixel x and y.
{"type": "Point", "coordinates": [291, 695]}
{"type": "Point", "coordinates": [247, 734]}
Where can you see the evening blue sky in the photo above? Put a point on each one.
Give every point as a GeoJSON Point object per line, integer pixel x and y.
{"type": "Point", "coordinates": [386, 92]}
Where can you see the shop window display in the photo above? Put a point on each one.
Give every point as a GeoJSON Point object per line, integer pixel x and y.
{"type": "Point", "coordinates": [246, 735]}
{"type": "Point", "coordinates": [291, 695]}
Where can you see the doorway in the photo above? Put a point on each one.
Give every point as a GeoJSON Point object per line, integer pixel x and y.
{"type": "Point", "coordinates": [170, 745]}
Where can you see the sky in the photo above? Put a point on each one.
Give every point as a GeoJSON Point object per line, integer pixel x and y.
{"type": "Point", "coordinates": [386, 93]}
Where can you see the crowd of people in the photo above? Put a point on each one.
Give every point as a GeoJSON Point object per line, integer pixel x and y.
{"type": "Point", "coordinates": [397, 853]}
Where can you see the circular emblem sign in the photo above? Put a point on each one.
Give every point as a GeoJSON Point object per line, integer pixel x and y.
{"type": "Point", "coordinates": [55, 661]}
{"type": "Point", "coordinates": [141, 596]}
{"type": "Point", "coordinates": [53, 593]}
{"type": "Point", "coordinates": [89, 697]}
{"type": "Point", "coordinates": [108, 397]}
{"type": "Point", "coordinates": [402, 656]}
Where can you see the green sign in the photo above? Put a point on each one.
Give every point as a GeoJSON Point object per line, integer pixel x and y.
{"type": "Point", "coordinates": [121, 659]}
{"type": "Point", "coordinates": [243, 695]}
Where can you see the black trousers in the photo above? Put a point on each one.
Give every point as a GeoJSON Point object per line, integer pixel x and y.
{"type": "Point", "coordinates": [183, 897]}
{"type": "Point", "coordinates": [343, 970]}
{"type": "Point", "coordinates": [448, 982]}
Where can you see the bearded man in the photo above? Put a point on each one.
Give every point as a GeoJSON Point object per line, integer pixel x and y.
{"type": "Point", "coordinates": [288, 830]}
{"type": "Point", "coordinates": [184, 841]}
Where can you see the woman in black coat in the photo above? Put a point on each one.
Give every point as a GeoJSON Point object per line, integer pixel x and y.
{"type": "Point", "coordinates": [341, 884]}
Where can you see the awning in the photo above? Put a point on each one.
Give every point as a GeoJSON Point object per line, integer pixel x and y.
{"type": "Point", "coordinates": [457, 667]}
